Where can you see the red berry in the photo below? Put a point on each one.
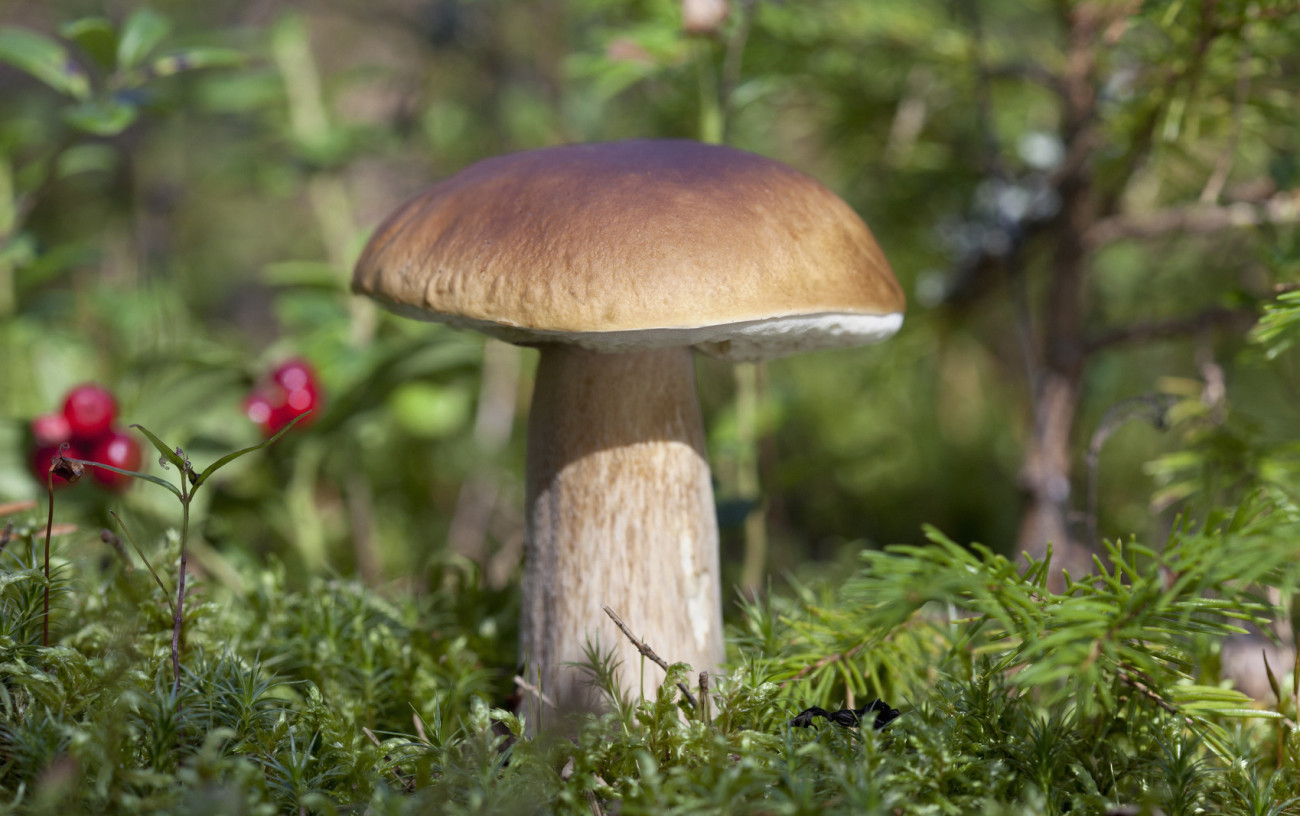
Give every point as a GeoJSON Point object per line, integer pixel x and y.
{"type": "Point", "coordinates": [121, 451]}
{"type": "Point", "coordinates": [41, 458]}
{"type": "Point", "coordinates": [295, 375]}
{"type": "Point", "coordinates": [90, 411]}
{"type": "Point", "coordinates": [282, 413]}
{"type": "Point", "coordinates": [291, 392]}
{"type": "Point", "coordinates": [281, 416]}
{"type": "Point", "coordinates": [303, 399]}
{"type": "Point", "coordinates": [51, 430]}
{"type": "Point", "coordinates": [258, 408]}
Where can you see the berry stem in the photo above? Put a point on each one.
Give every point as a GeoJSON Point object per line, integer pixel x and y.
{"type": "Point", "coordinates": [49, 524]}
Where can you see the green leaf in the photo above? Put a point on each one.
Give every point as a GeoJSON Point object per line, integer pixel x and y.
{"type": "Point", "coordinates": [141, 34]}
{"type": "Point", "coordinates": [135, 474]}
{"type": "Point", "coordinates": [230, 457]}
{"type": "Point", "coordinates": [45, 59]}
{"type": "Point", "coordinates": [1277, 328]}
{"type": "Point", "coordinates": [430, 411]}
{"type": "Point", "coordinates": [102, 117]}
{"type": "Point", "coordinates": [1190, 694]}
{"type": "Point", "coordinates": [194, 59]}
{"type": "Point", "coordinates": [169, 455]}
{"type": "Point", "coordinates": [1257, 713]}
{"type": "Point", "coordinates": [95, 35]}
{"type": "Point", "coordinates": [86, 158]}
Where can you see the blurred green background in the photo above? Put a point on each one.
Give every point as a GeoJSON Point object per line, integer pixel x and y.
{"type": "Point", "coordinates": [184, 187]}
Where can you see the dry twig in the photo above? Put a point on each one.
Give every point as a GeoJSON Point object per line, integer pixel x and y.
{"type": "Point", "coordinates": [646, 651]}
{"type": "Point", "coordinates": [1144, 686]}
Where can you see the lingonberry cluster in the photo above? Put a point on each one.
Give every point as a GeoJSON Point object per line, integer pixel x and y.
{"type": "Point", "coordinates": [87, 426]}
{"type": "Point", "coordinates": [291, 390]}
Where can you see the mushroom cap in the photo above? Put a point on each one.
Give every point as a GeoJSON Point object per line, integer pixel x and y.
{"type": "Point", "coordinates": [634, 245]}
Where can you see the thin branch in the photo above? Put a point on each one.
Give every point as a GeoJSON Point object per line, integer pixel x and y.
{"type": "Point", "coordinates": [1283, 208]}
{"type": "Point", "coordinates": [1239, 319]}
{"type": "Point", "coordinates": [524, 685]}
{"type": "Point", "coordinates": [706, 715]}
{"type": "Point", "coordinates": [1151, 407]}
{"type": "Point", "coordinates": [1145, 688]}
{"type": "Point", "coordinates": [646, 651]}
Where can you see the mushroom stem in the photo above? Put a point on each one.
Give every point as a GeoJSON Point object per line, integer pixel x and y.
{"type": "Point", "coordinates": [616, 461]}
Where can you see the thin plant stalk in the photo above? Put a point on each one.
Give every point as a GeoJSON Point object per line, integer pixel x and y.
{"type": "Point", "coordinates": [69, 469]}
{"type": "Point", "coordinates": [190, 482]}
{"type": "Point", "coordinates": [49, 524]}
{"type": "Point", "coordinates": [179, 609]}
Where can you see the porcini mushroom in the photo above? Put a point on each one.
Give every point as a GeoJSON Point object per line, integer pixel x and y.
{"type": "Point", "coordinates": [615, 260]}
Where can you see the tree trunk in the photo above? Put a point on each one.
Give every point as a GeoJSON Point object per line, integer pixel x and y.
{"type": "Point", "coordinates": [1045, 479]}
{"type": "Point", "coordinates": [1046, 470]}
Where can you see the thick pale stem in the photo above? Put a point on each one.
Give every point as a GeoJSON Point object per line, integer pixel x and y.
{"type": "Point", "coordinates": [620, 512]}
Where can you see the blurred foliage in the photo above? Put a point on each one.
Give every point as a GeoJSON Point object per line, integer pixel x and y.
{"type": "Point", "coordinates": [184, 187]}
{"type": "Point", "coordinates": [183, 191]}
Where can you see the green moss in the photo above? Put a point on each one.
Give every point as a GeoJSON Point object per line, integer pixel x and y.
{"type": "Point", "coordinates": [337, 698]}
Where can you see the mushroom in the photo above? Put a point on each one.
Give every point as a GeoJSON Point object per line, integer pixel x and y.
{"type": "Point", "coordinates": [615, 260]}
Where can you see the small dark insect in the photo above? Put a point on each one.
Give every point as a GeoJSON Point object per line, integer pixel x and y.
{"type": "Point", "coordinates": [850, 717]}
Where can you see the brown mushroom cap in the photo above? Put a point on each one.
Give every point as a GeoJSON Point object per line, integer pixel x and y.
{"type": "Point", "coordinates": [638, 244]}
